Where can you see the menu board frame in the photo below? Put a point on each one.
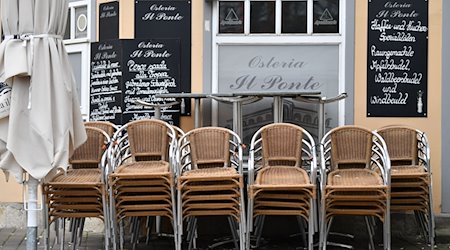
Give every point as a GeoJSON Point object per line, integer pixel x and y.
{"type": "Point", "coordinates": [397, 59]}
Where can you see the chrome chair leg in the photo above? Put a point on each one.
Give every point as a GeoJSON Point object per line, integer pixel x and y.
{"type": "Point", "coordinates": [259, 230]}
{"type": "Point", "coordinates": [234, 230]}
{"type": "Point", "coordinates": [121, 229]}
{"type": "Point", "coordinates": [149, 226]}
{"type": "Point", "coordinates": [301, 225]}
{"type": "Point", "coordinates": [371, 232]}
{"type": "Point", "coordinates": [192, 233]}
{"type": "Point", "coordinates": [387, 228]}
{"type": "Point", "coordinates": [63, 233]}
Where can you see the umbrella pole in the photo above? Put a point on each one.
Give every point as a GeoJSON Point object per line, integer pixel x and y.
{"type": "Point", "coordinates": [32, 213]}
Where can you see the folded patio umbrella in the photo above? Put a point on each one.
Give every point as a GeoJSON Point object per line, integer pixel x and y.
{"type": "Point", "coordinates": [44, 125]}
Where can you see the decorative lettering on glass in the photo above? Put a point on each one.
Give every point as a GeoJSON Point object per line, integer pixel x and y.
{"type": "Point", "coordinates": [231, 17]}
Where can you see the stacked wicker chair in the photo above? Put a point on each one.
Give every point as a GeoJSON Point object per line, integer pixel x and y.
{"type": "Point", "coordinates": [282, 175]}
{"type": "Point", "coordinates": [355, 179]}
{"type": "Point", "coordinates": [411, 175]}
{"type": "Point", "coordinates": [79, 192]}
{"type": "Point", "coordinates": [142, 182]}
{"type": "Point", "coordinates": [210, 181]}
{"type": "Point", "coordinates": [106, 126]}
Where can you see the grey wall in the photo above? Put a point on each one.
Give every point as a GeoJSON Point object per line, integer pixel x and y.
{"type": "Point", "coordinates": [207, 61]}
{"type": "Point", "coordinates": [350, 62]}
{"type": "Point", "coordinates": [92, 19]}
{"type": "Point", "coordinates": [445, 108]}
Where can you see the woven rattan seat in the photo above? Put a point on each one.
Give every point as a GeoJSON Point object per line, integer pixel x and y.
{"type": "Point", "coordinates": [355, 171]}
{"type": "Point", "coordinates": [142, 181]}
{"type": "Point", "coordinates": [143, 167]}
{"type": "Point", "coordinates": [411, 175]}
{"type": "Point", "coordinates": [281, 156]}
{"type": "Point", "coordinates": [282, 175]}
{"type": "Point", "coordinates": [79, 177]}
{"type": "Point", "coordinates": [210, 180]}
{"type": "Point", "coordinates": [354, 178]}
{"type": "Point", "coordinates": [403, 170]}
{"type": "Point", "coordinates": [210, 172]}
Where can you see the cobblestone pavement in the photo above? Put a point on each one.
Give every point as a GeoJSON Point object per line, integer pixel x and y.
{"type": "Point", "coordinates": [402, 239]}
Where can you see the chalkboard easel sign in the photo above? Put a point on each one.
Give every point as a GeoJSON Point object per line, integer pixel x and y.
{"type": "Point", "coordinates": [106, 81]}
{"type": "Point", "coordinates": [397, 58]}
{"type": "Point", "coordinates": [152, 66]}
{"type": "Point", "coordinates": [123, 71]}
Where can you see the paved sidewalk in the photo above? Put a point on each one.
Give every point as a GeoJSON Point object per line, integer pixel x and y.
{"type": "Point", "coordinates": [402, 239]}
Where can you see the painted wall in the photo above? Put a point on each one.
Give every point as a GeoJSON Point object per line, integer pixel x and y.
{"type": "Point", "coordinates": [11, 190]}
{"type": "Point", "coordinates": [430, 125]}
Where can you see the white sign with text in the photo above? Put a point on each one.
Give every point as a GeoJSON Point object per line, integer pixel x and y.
{"type": "Point", "coordinates": [279, 68]}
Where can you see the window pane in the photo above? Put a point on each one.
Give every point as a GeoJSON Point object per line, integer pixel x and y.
{"type": "Point", "coordinates": [326, 16]}
{"type": "Point", "coordinates": [231, 17]}
{"type": "Point", "coordinates": [75, 62]}
{"type": "Point", "coordinates": [293, 17]}
{"type": "Point", "coordinates": [262, 17]}
{"type": "Point", "coordinates": [81, 22]}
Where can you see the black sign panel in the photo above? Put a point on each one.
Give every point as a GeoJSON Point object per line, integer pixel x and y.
{"type": "Point", "coordinates": [397, 58]}
{"type": "Point", "coordinates": [123, 71]}
{"type": "Point", "coordinates": [106, 82]}
{"type": "Point", "coordinates": [152, 67]}
{"type": "Point", "coordinates": [108, 20]}
{"type": "Point", "coordinates": [165, 19]}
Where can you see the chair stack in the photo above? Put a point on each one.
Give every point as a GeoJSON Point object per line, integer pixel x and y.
{"type": "Point", "coordinates": [354, 178]}
{"type": "Point", "coordinates": [142, 189]}
{"type": "Point", "coordinates": [142, 182]}
{"type": "Point", "coordinates": [75, 194]}
{"type": "Point", "coordinates": [79, 192]}
{"type": "Point", "coordinates": [283, 159]}
{"type": "Point", "coordinates": [210, 181]}
{"type": "Point", "coordinates": [410, 175]}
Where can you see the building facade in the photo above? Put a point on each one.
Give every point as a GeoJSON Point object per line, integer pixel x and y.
{"type": "Point", "coordinates": [390, 57]}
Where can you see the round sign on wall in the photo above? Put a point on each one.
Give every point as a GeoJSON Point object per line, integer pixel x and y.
{"type": "Point", "coordinates": [82, 22]}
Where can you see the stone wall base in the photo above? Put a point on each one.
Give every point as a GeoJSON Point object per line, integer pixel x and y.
{"type": "Point", "coordinates": [13, 215]}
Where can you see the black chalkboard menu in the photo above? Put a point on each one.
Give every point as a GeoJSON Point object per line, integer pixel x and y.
{"type": "Point", "coordinates": [106, 81]}
{"type": "Point", "coordinates": [168, 19]}
{"type": "Point", "coordinates": [152, 67]}
{"type": "Point", "coordinates": [123, 71]}
{"type": "Point", "coordinates": [397, 58]}
{"type": "Point", "coordinates": [108, 24]}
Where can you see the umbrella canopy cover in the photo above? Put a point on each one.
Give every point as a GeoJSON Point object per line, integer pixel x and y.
{"type": "Point", "coordinates": [45, 124]}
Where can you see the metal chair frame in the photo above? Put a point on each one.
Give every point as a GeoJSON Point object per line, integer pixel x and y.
{"type": "Point", "coordinates": [119, 153]}
{"type": "Point", "coordinates": [307, 160]}
{"type": "Point", "coordinates": [379, 161]}
{"type": "Point", "coordinates": [186, 163]}
{"type": "Point", "coordinates": [425, 219]}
